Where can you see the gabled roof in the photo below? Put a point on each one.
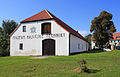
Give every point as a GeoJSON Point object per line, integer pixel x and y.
{"type": "Point", "coordinates": [115, 36]}
{"type": "Point", "coordinates": [39, 16]}
{"type": "Point", "coordinates": [46, 15]}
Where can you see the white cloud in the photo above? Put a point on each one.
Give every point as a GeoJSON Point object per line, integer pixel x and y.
{"type": "Point", "coordinates": [83, 32]}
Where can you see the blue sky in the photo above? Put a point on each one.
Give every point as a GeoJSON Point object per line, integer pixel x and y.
{"type": "Point", "coordinates": [76, 13]}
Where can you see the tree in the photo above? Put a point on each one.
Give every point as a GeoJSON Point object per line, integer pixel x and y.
{"type": "Point", "coordinates": [9, 26]}
{"type": "Point", "coordinates": [102, 28]}
{"type": "Point", "coordinates": [4, 44]}
{"type": "Point", "coordinates": [88, 37]}
{"type": "Point", "coordinates": [6, 29]}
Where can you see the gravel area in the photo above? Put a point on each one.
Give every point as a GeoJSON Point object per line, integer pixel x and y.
{"type": "Point", "coordinates": [41, 57]}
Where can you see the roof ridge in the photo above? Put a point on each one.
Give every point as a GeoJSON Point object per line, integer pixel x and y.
{"type": "Point", "coordinates": [49, 13]}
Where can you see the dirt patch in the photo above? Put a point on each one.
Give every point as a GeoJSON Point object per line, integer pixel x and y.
{"type": "Point", "coordinates": [41, 57]}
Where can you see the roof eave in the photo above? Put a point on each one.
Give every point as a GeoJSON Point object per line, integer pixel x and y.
{"type": "Point", "coordinates": [36, 20]}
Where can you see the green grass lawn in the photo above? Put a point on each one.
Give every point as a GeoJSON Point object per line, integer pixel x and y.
{"type": "Point", "coordinates": [104, 64]}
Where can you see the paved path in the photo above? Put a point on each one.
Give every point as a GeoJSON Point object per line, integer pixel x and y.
{"type": "Point", "coordinates": [41, 57]}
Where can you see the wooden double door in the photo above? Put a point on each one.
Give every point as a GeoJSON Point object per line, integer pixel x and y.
{"type": "Point", "coordinates": [48, 47]}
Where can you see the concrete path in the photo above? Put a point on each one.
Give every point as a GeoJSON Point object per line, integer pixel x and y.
{"type": "Point", "coordinates": [40, 57]}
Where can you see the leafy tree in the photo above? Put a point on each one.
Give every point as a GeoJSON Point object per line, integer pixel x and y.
{"type": "Point", "coordinates": [9, 26]}
{"type": "Point", "coordinates": [4, 44]}
{"type": "Point", "coordinates": [88, 37]}
{"type": "Point", "coordinates": [5, 31]}
{"type": "Point", "coordinates": [102, 28]}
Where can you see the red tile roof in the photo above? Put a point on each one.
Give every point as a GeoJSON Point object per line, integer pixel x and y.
{"type": "Point", "coordinates": [115, 35]}
{"type": "Point", "coordinates": [46, 15]}
{"type": "Point", "coordinates": [39, 16]}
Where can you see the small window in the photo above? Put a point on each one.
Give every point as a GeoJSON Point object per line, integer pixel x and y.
{"type": "Point", "coordinates": [78, 46]}
{"type": "Point", "coordinates": [111, 41]}
{"type": "Point", "coordinates": [46, 28]}
{"type": "Point", "coordinates": [24, 28]}
{"type": "Point", "coordinates": [114, 40]}
{"type": "Point", "coordinates": [118, 37]}
{"type": "Point", "coordinates": [86, 46]}
{"type": "Point", "coordinates": [82, 46]}
{"type": "Point", "coordinates": [21, 46]}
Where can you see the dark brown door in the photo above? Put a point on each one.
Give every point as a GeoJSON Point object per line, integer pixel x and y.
{"type": "Point", "coordinates": [48, 47]}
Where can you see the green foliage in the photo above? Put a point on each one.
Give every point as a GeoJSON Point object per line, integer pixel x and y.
{"type": "Point", "coordinates": [5, 31]}
{"type": "Point", "coordinates": [9, 26]}
{"type": "Point", "coordinates": [88, 37]}
{"type": "Point", "coordinates": [102, 28]}
{"type": "Point", "coordinates": [4, 45]}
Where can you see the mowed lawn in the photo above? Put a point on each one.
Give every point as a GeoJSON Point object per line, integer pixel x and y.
{"type": "Point", "coordinates": [103, 64]}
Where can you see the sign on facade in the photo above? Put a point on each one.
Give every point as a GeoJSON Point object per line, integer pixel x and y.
{"type": "Point", "coordinates": [37, 36]}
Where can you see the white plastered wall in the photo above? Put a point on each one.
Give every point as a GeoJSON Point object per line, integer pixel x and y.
{"type": "Point", "coordinates": [74, 41]}
{"type": "Point", "coordinates": [93, 44]}
{"type": "Point", "coordinates": [34, 46]}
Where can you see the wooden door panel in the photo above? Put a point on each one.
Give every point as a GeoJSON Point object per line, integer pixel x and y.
{"type": "Point", "coordinates": [48, 47]}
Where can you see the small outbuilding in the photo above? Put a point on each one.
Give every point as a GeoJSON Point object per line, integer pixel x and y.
{"type": "Point", "coordinates": [45, 34]}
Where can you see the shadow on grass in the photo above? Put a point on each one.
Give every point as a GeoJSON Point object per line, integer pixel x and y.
{"type": "Point", "coordinates": [95, 51]}
{"type": "Point", "coordinates": [92, 71]}
{"type": "Point", "coordinates": [78, 70]}
{"type": "Point", "coordinates": [92, 51]}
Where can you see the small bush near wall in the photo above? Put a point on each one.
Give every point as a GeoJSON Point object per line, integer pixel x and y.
{"type": "Point", "coordinates": [4, 52]}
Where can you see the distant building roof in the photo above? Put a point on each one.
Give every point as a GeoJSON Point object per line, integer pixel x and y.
{"type": "Point", "coordinates": [116, 36]}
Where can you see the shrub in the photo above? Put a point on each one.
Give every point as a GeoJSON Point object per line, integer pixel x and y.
{"type": "Point", "coordinates": [82, 66]}
{"type": "Point", "coordinates": [4, 52]}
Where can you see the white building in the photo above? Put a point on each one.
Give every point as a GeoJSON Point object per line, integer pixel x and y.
{"type": "Point", "coordinates": [114, 42]}
{"type": "Point", "coordinates": [45, 34]}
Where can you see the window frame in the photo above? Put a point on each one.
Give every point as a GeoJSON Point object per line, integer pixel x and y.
{"type": "Point", "coordinates": [79, 47]}
{"type": "Point", "coordinates": [114, 41]}
{"type": "Point", "coordinates": [24, 28]}
{"type": "Point", "coordinates": [21, 46]}
{"type": "Point", "coordinates": [45, 28]}
{"type": "Point", "coordinates": [82, 47]}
